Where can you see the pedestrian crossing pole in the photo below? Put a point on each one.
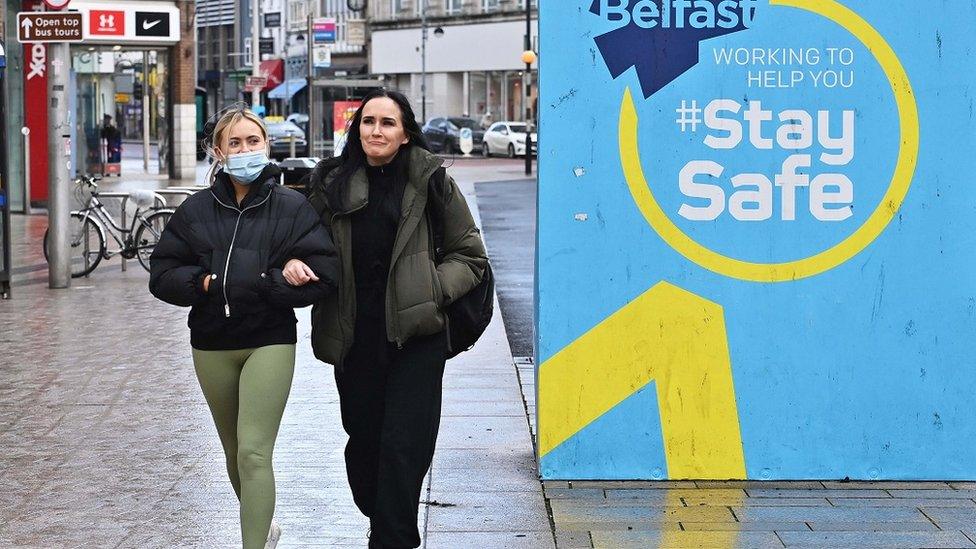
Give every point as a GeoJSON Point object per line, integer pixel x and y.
{"type": "Point", "coordinates": [59, 167]}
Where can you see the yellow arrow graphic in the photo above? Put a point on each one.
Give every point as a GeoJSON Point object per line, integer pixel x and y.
{"type": "Point", "coordinates": [674, 338]}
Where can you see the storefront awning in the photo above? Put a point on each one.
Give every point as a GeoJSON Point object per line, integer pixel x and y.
{"type": "Point", "coordinates": [287, 90]}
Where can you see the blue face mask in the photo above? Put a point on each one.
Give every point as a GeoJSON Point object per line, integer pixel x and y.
{"type": "Point", "coordinates": [246, 167]}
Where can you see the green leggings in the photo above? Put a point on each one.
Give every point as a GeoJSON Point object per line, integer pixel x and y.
{"type": "Point", "coordinates": [247, 391]}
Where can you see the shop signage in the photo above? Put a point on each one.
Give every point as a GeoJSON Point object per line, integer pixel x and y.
{"type": "Point", "coordinates": [356, 32]}
{"type": "Point", "coordinates": [36, 109]}
{"type": "Point", "coordinates": [321, 57]}
{"type": "Point", "coordinates": [251, 82]}
{"type": "Point", "coordinates": [272, 20]}
{"type": "Point", "coordinates": [106, 23]}
{"type": "Point", "coordinates": [324, 30]}
{"type": "Point", "coordinates": [122, 23]}
{"type": "Point", "coordinates": [48, 27]}
{"type": "Point", "coordinates": [152, 23]}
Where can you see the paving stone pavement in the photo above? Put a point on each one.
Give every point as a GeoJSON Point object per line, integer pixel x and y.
{"type": "Point", "coordinates": [107, 440]}
{"type": "Point", "coordinates": [717, 514]}
{"type": "Point", "coordinates": [762, 514]}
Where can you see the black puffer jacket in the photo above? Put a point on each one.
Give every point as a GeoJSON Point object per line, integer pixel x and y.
{"type": "Point", "coordinates": [249, 303]}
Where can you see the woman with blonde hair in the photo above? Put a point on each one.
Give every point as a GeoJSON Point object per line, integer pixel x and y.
{"type": "Point", "coordinates": [242, 255]}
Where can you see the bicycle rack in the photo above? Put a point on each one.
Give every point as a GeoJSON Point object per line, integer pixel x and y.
{"type": "Point", "coordinates": [177, 191]}
{"type": "Point", "coordinates": [158, 201]}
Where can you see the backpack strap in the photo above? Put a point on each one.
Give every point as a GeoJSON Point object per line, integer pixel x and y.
{"type": "Point", "coordinates": [436, 195]}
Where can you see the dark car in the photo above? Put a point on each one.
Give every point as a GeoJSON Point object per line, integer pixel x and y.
{"type": "Point", "coordinates": [443, 134]}
{"type": "Point", "coordinates": [281, 134]}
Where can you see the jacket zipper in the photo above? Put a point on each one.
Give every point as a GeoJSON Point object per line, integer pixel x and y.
{"type": "Point", "coordinates": [233, 239]}
{"type": "Point", "coordinates": [345, 346]}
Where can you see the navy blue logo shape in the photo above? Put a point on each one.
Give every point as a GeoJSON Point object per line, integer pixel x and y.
{"type": "Point", "coordinates": [667, 49]}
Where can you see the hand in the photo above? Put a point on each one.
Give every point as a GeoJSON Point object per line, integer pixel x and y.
{"type": "Point", "coordinates": [297, 273]}
{"type": "Point", "coordinates": [206, 283]}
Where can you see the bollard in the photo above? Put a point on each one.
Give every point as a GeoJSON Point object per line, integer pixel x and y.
{"type": "Point", "coordinates": [25, 131]}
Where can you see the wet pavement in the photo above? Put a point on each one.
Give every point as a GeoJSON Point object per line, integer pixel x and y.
{"type": "Point", "coordinates": [669, 515]}
{"type": "Point", "coordinates": [108, 442]}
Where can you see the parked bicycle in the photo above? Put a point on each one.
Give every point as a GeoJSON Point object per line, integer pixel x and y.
{"type": "Point", "coordinates": [88, 226]}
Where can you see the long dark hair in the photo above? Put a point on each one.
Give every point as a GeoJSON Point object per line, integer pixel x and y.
{"type": "Point", "coordinates": [353, 156]}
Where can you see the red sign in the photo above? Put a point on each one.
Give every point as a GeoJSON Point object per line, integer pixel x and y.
{"type": "Point", "coordinates": [342, 115]}
{"type": "Point", "coordinates": [106, 23]}
{"type": "Point", "coordinates": [252, 82]}
{"type": "Point", "coordinates": [35, 110]}
{"type": "Point", "coordinates": [274, 71]}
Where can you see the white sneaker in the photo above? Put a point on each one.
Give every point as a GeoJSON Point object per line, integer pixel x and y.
{"type": "Point", "coordinates": [274, 534]}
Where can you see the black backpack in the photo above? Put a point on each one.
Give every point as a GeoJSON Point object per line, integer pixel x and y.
{"type": "Point", "coordinates": [470, 314]}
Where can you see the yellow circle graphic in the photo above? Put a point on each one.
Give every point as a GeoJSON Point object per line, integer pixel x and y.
{"type": "Point", "coordinates": [839, 253]}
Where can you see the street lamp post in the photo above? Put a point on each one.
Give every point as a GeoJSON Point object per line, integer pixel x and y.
{"type": "Point", "coordinates": [423, 62]}
{"type": "Point", "coordinates": [528, 57]}
{"type": "Point", "coordinates": [438, 32]}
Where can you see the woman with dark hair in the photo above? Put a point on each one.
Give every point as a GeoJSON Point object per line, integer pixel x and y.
{"type": "Point", "coordinates": [385, 331]}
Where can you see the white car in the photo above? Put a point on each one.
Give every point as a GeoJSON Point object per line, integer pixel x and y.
{"type": "Point", "coordinates": [507, 138]}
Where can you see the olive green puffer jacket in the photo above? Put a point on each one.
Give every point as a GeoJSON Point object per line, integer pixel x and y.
{"type": "Point", "coordinates": [417, 290]}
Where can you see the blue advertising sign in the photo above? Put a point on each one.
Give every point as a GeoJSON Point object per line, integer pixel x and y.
{"type": "Point", "coordinates": [766, 205]}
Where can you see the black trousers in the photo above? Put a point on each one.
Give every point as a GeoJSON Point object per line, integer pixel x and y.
{"type": "Point", "coordinates": [390, 401]}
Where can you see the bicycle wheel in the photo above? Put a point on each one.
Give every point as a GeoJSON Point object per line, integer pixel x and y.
{"type": "Point", "coordinates": [86, 241]}
{"type": "Point", "coordinates": [147, 235]}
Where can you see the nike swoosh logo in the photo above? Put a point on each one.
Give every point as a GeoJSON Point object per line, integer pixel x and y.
{"type": "Point", "coordinates": [146, 25]}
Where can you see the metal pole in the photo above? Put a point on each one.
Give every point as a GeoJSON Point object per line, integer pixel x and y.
{"type": "Point", "coordinates": [59, 199]}
{"type": "Point", "coordinates": [5, 267]}
{"type": "Point", "coordinates": [528, 88]}
{"type": "Point", "coordinates": [145, 111]}
{"type": "Point", "coordinates": [255, 53]}
{"type": "Point", "coordinates": [18, 191]}
{"type": "Point", "coordinates": [423, 62]}
{"type": "Point", "coordinates": [310, 46]}
{"type": "Point", "coordinates": [287, 102]}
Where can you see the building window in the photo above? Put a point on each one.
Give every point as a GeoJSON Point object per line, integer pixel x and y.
{"type": "Point", "coordinates": [297, 15]}
{"type": "Point", "coordinates": [398, 6]}
{"type": "Point", "coordinates": [491, 5]}
{"type": "Point", "coordinates": [452, 6]}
